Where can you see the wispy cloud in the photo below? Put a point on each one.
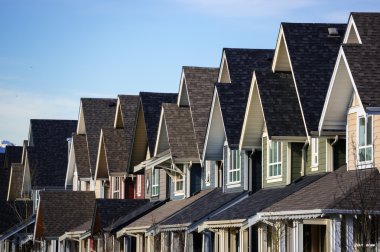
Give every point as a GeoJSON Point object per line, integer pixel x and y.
{"type": "Point", "coordinates": [17, 107]}
{"type": "Point", "coordinates": [241, 8]}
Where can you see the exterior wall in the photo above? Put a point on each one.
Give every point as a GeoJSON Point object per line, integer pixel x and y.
{"type": "Point", "coordinates": [163, 186]}
{"type": "Point", "coordinates": [148, 177]}
{"type": "Point", "coordinates": [278, 182]}
{"type": "Point", "coordinates": [376, 140]}
{"type": "Point", "coordinates": [235, 187]}
{"type": "Point", "coordinates": [322, 157]}
{"type": "Point", "coordinates": [195, 178]}
{"type": "Point", "coordinates": [140, 143]}
{"type": "Point", "coordinates": [351, 140]}
{"type": "Point", "coordinates": [98, 189]}
{"type": "Point", "coordinates": [213, 181]}
{"type": "Point", "coordinates": [142, 185]}
{"type": "Point", "coordinates": [296, 161]}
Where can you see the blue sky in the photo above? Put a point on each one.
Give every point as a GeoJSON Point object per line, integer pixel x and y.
{"type": "Point", "coordinates": [52, 52]}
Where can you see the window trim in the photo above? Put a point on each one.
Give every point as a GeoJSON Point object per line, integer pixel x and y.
{"type": "Point", "coordinates": [155, 188]}
{"type": "Point", "coordinates": [366, 163]}
{"type": "Point", "coordinates": [314, 152]}
{"type": "Point", "coordinates": [235, 170]}
{"type": "Point", "coordinates": [277, 177]}
{"type": "Point", "coordinates": [208, 172]}
{"type": "Point", "coordinates": [115, 182]}
{"type": "Point", "coordinates": [176, 180]}
{"type": "Point", "coordinates": [138, 187]}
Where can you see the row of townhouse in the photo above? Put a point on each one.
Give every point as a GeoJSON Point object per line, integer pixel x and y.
{"type": "Point", "coordinates": [275, 150]}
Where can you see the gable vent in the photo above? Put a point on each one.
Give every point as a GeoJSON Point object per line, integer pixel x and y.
{"type": "Point", "coordinates": [333, 31]}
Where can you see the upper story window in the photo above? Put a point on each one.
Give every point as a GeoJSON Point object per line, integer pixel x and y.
{"type": "Point", "coordinates": [365, 139]}
{"type": "Point", "coordinates": [208, 172]}
{"type": "Point", "coordinates": [179, 181]}
{"type": "Point", "coordinates": [235, 167]}
{"type": "Point", "coordinates": [274, 162]}
{"type": "Point", "coordinates": [314, 151]}
{"type": "Point", "coordinates": [116, 188]}
{"type": "Point", "coordinates": [155, 182]}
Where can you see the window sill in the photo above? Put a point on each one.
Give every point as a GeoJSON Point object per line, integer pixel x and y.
{"type": "Point", "coordinates": [233, 184]}
{"type": "Point", "coordinates": [179, 193]}
{"type": "Point", "coordinates": [314, 167]}
{"type": "Point", "coordinates": [365, 165]}
{"type": "Point", "coordinates": [274, 179]}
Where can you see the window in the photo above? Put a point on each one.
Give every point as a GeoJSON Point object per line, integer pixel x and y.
{"type": "Point", "coordinates": [365, 139]}
{"type": "Point", "coordinates": [116, 187]}
{"type": "Point", "coordinates": [274, 164]}
{"type": "Point", "coordinates": [208, 172]}
{"type": "Point", "coordinates": [314, 152]}
{"type": "Point", "coordinates": [138, 191]}
{"type": "Point", "coordinates": [155, 182]}
{"type": "Point", "coordinates": [235, 166]}
{"type": "Point", "coordinates": [179, 181]}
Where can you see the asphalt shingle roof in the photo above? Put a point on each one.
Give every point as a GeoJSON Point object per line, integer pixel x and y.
{"type": "Point", "coordinates": [364, 59]}
{"type": "Point", "coordinates": [48, 153]}
{"type": "Point", "coordinates": [54, 214]}
{"type": "Point", "coordinates": [181, 136]}
{"type": "Point", "coordinates": [151, 105]}
{"type": "Point", "coordinates": [116, 149]}
{"type": "Point", "coordinates": [263, 199]}
{"type": "Point", "coordinates": [312, 54]}
{"type": "Point", "coordinates": [200, 83]}
{"type": "Point", "coordinates": [81, 156]}
{"type": "Point", "coordinates": [233, 97]}
{"type": "Point", "coordinates": [161, 213]}
{"type": "Point", "coordinates": [280, 104]}
{"type": "Point", "coordinates": [13, 154]}
{"type": "Point", "coordinates": [97, 113]}
{"type": "Point", "coordinates": [108, 211]}
{"type": "Point", "coordinates": [337, 189]}
{"type": "Point", "coordinates": [201, 208]}
{"type": "Point", "coordinates": [15, 183]}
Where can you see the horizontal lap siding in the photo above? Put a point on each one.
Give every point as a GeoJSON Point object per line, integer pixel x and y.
{"type": "Point", "coordinates": [351, 140]}
{"type": "Point", "coordinates": [265, 165]}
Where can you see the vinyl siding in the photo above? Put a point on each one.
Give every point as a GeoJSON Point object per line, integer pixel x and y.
{"type": "Point", "coordinates": [140, 142]}
{"type": "Point", "coordinates": [148, 190]}
{"type": "Point", "coordinates": [231, 188]}
{"type": "Point", "coordinates": [267, 183]}
{"type": "Point", "coordinates": [212, 176]}
{"type": "Point", "coordinates": [376, 139]}
{"type": "Point", "coordinates": [339, 154]}
{"type": "Point", "coordinates": [163, 185]}
{"type": "Point", "coordinates": [309, 168]}
{"type": "Point", "coordinates": [351, 140]}
{"type": "Point", "coordinates": [195, 178]}
{"type": "Point", "coordinates": [296, 160]}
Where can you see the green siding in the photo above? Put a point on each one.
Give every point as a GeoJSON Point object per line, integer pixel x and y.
{"type": "Point", "coordinates": [339, 153]}
{"type": "Point", "coordinates": [296, 160]}
{"type": "Point", "coordinates": [265, 163]}
{"type": "Point", "coordinates": [321, 157]}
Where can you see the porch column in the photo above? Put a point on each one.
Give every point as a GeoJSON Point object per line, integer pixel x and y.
{"type": "Point", "coordinates": [189, 244]}
{"type": "Point", "coordinates": [243, 241]}
{"type": "Point", "coordinates": [298, 236]}
{"type": "Point", "coordinates": [127, 243]}
{"type": "Point", "coordinates": [282, 238]}
{"type": "Point", "coordinates": [335, 227]}
{"type": "Point", "coordinates": [165, 241]}
{"type": "Point", "coordinates": [349, 234]}
{"type": "Point", "coordinates": [175, 242]}
{"type": "Point", "coordinates": [206, 240]}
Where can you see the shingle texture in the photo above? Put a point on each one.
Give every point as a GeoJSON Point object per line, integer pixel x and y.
{"type": "Point", "coordinates": [181, 137]}
{"type": "Point", "coordinates": [151, 105]}
{"type": "Point", "coordinates": [116, 149]}
{"type": "Point", "coordinates": [97, 113]}
{"type": "Point", "coordinates": [48, 151]}
{"type": "Point", "coordinates": [263, 199]}
{"type": "Point", "coordinates": [233, 97]}
{"type": "Point", "coordinates": [164, 211]}
{"type": "Point", "coordinates": [15, 183]}
{"type": "Point", "coordinates": [280, 104]}
{"type": "Point", "coordinates": [200, 83]}
{"type": "Point", "coordinates": [312, 54]}
{"type": "Point", "coordinates": [61, 211]}
{"type": "Point", "coordinates": [340, 189]}
{"type": "Point", "coordinates": [13, 154]}
{"type": "Point", "coordinates": [364, 59]}
{"type": "Point", "coordinates": [201, 208]}
{"type": "Point", "coordinates": [81, 156]}
{"type": "Point", "coordinates": [108, 211]}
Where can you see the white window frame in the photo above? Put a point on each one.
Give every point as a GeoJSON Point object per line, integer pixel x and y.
{"type": "Point", "coordinates": [116, 187]}
{"type": "Point", "coordinates": [277, 162]}
{"type": "Point", "coordinates": [363, 164]}
{"type": "Point", "coordinates": [178, 178]}
{"type": "Point", "coordinates": [234, 167]}
{"type": "Point", "coordinates": [208, 172]}
{"type": "Point", "coordinates": [314, 151]}
{"type": "Point", "coordinates": [138, 186]}
{"type": "Point", "coordinates": [155, 182]}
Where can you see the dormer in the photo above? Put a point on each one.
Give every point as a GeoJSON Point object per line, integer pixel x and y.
{"type": "Point", "coordinates": [352, 35]}
{"type": "Point", "coordinates": [281, 60]}
{"type": "Point", "coordinates": [224, 74]}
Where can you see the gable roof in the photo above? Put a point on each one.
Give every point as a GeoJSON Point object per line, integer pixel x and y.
{"type": "Point", "coordinates": [199, 83]}
{"type": "Point", "coordinates": [129, 109]}
{"type": "Point", "coordinates": [48, 153]}
{"type": "Point", "coordinates": [15, 181]}
{"type": "Point", "coordinates": [180, 132]}
{"type": "Point", "coordinates": [13, 154]}
{"type": "Point", "coordinates": [312, 53]}
{"type": "Point", "coordinates": [262, 199]}
{"type": "Point", "coordinates": [367, 24]}
{"type": "Point", "coordinates": [81, 156]}
{"type": "Point", "coordinates": [108, 211]}
{"type": "Point", "coordinates": [151, 106]}
{"type": "Point", "coordinates": [233, 97]}
{"type": "Point", "coordinates": [97, 113]}
{"type": "Point", "coordinates": [202, 207]}
{"type": "Point", "coordinates": [53, 219]}
{"type": "Point", "coordinates": [280, 105]}
{"type": "Point", "coordinates": [336, 190]}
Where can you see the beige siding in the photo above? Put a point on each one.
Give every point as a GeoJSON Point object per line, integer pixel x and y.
{"type": "Point", "coordinates": [98, 186]}
{"type": "Point", "coordinates": [163, 183]}
{"type": "Point", "coordinates": [140, 142]}
{"type": "Point", "coordinates": [376, 140]}
{"type": "Point", "coordinates": [351, 140]}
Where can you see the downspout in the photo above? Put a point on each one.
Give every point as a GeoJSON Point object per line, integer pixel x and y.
{"type": "Point", "coordinates": [335, 140]}
{"type": "Point", "coordinates": [304, 157]}
{"type": "Point", "coordinates": [250, 171]}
